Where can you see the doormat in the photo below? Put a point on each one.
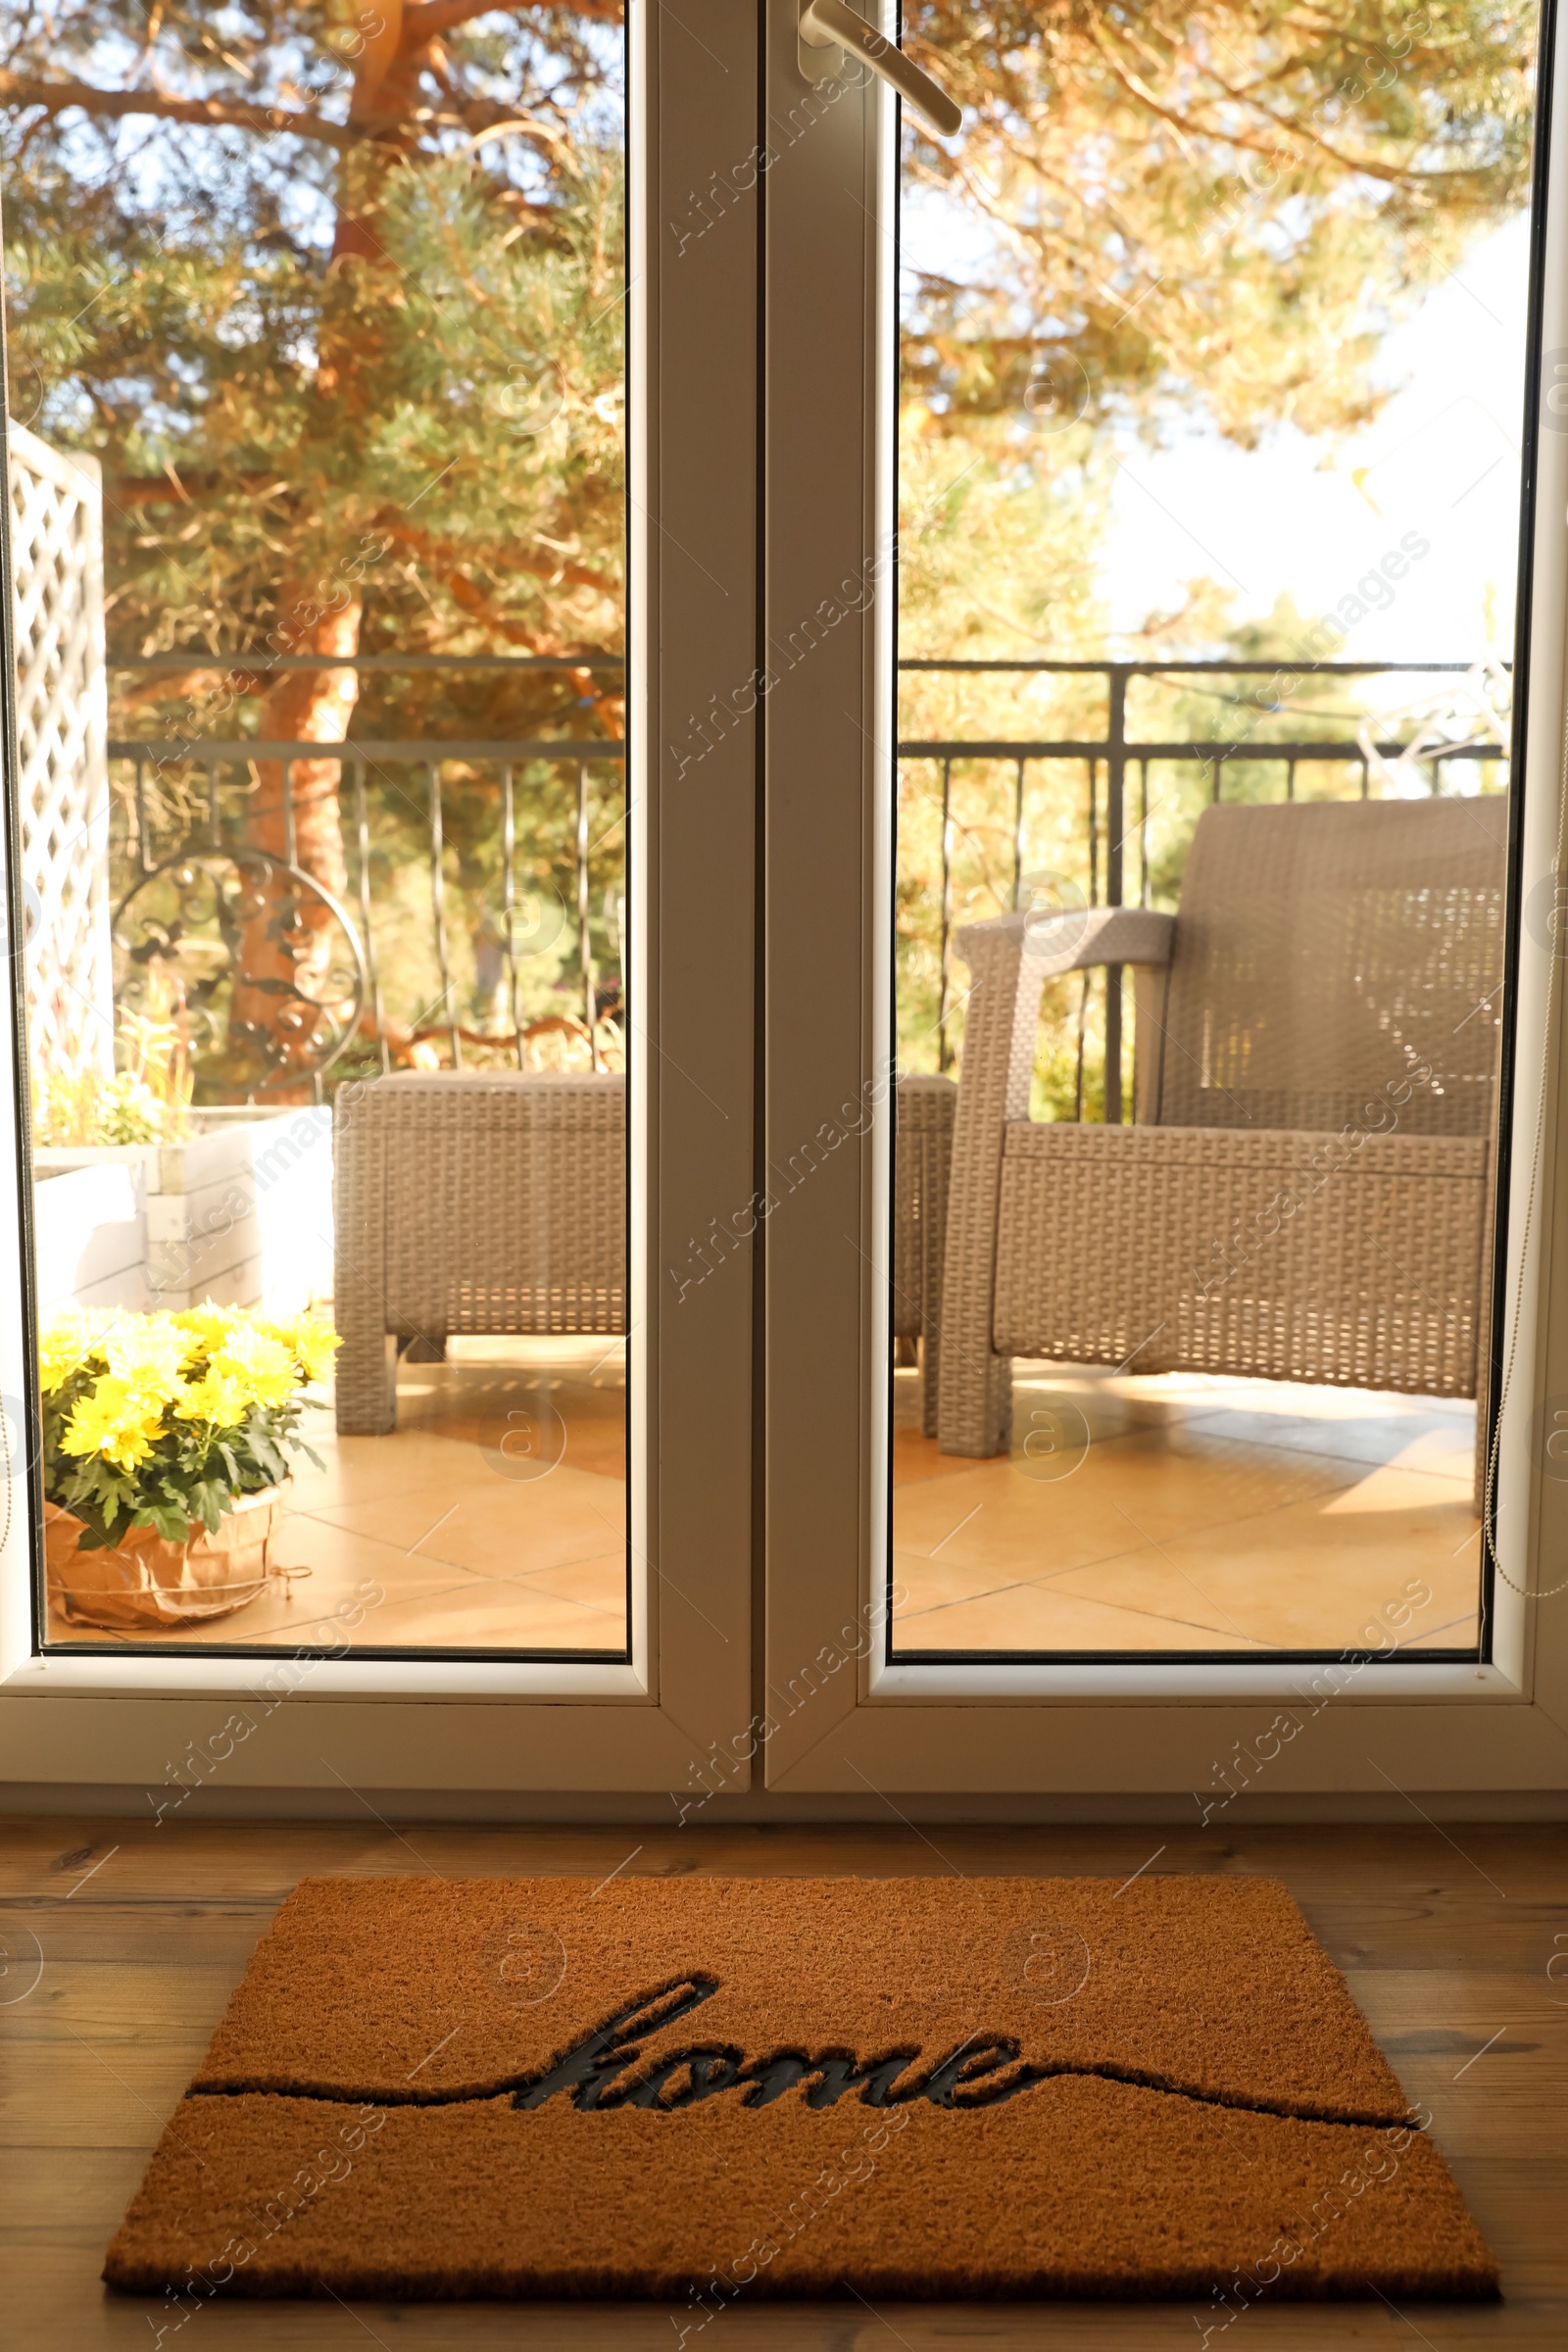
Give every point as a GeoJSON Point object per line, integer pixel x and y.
{"type": "Point", "coordinates": [714, 2090]}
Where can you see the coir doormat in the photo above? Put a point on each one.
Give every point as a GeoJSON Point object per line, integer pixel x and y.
{"type": "Point", "coordinates": [710, 2090]}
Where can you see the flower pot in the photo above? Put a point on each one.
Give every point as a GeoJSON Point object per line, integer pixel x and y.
{"type": "Point", "coordinates": [145, 1581]}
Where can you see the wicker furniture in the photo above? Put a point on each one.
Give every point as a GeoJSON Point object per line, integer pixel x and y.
{"type": "Point", "coordinates": [1306, 1195]}
{"type": "Point", "coordinates": [923, 1150]}
{"type": "Point", "coordinates": [471, 1202]}
{"type": "Point", "coordinates": [479, 1203]}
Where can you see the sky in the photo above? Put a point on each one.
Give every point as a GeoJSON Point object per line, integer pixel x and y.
{"type": "Point", "coordinates": [1298, 513]}
{"type": "Point", "coordinates": [1439, 469]}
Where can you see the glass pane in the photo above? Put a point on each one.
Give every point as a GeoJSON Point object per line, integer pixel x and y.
{"type": "Point", "coordinates": [317, 481]}
{"type": "Point", "coordinates": [1212, 344]}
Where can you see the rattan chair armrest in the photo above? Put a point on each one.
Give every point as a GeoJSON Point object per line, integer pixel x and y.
{"type": "Point", "coordinates": [1078, 938]}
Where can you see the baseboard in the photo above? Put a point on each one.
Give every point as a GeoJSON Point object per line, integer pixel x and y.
{"type": "Point", "coordinates": [763, 1807]}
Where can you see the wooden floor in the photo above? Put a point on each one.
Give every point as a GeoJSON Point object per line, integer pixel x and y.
{"type": "Point", "coordinates": [122, 1941]}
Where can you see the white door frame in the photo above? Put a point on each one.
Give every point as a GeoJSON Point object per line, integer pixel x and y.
{"type": "Point", "coordinates": [837, 1717]}
{"type": "Point", "coordinates": [492, 1725]}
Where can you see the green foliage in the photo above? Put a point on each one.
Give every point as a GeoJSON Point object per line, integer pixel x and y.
{"type": "Point", "coordinates": [1204, 205]}
{"type": "Point", "coordinates": [354, 362]}
{"type": "Point", "coordinates": [189, 1482]}
{"type": "Point", "coordinates": [436, 420]}
{"type": "Point", "coordinates": [366, 349]}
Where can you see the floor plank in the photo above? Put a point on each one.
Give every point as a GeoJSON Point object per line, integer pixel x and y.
{"type": "Point", "coordinates": [136, 1934]}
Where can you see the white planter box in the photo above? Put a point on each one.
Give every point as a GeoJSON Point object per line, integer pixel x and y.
{"type": "Point", "coordinates": [242, 1216]}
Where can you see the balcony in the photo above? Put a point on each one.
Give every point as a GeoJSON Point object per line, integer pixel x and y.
{"type": "Point", "coordinates": [478, 929]}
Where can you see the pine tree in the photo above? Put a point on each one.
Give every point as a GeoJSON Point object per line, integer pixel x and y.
{"type": "Point", "coordinates": [336, 300]}
{"type": "Point", "coordinates": [332, 288]}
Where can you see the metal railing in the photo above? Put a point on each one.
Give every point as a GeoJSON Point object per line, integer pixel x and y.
{"type": "Point", "coordinates": [1116, 753]}
{"type": "Point", "coordinates": [1106, 757]}
{"type": "Point", "coordinates": [211, 756]}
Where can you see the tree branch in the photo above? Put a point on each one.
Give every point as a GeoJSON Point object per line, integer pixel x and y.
{"type": "Point", "coordinates": [445, 555]}
{"type": "Point", "coordinates": [56, 97]}
{"type": "Point", "coordinates": [188, 489]}
{"type": "Point", "coordinates": [427, 17]}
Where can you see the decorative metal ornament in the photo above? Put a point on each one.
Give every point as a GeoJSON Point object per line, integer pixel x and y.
{"type": "Point", "coordinates": [265, 968]}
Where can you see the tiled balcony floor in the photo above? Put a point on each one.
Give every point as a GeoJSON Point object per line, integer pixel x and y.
{"type": "Point", "coordinates": [1156, 1516]}
{"type": "Point", "coordinates": [1183, 1513]}
{"type": "Point", "coordinates": [493, 1518]}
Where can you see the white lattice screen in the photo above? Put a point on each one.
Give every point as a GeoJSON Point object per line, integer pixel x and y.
{"type": "Point", "coordinates": [62, 724]}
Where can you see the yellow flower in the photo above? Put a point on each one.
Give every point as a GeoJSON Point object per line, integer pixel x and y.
{"type": "Point", "coordinates": [210, 1324]}
{"type": "Point", "coordinates": [216, 1398]}
{"type": "Point", "coordinates": [313, 1345]}
{"type": "Point", "coordinates": [147, 1352]}
{"type": "Point", "coordinates": [115, 1420]}
{"type": "Point", "coordinates": [65, 1344]}
{"type": "Point", "coordinates": [264, 1368]}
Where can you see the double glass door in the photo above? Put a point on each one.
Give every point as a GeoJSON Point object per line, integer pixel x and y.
{"type": "Point", "coordinates": [776, 868]}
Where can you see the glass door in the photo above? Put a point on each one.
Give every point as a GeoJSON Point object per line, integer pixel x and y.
{"type": "Point", "coordinates": [356, 1088]}
{"type": "Point", "coordinates": [319, 527]}
{"type": "Point", "coordinates": [1179, 1067]}
{"type": "Point", "coordinates": [1211, 396]}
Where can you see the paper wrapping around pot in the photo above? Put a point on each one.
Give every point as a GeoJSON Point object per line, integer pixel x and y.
{"type": "Point", "coordinates": [145, 1581]}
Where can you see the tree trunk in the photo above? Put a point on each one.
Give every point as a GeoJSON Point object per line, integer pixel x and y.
{"type": "Point", "coordinates": [296, 813]}
{"type": "Point", "coordinates": [290, 942]}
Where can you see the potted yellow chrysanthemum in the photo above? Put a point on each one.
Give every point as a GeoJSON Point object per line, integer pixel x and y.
{"type": "Point", "coordinates": [163, 1454]}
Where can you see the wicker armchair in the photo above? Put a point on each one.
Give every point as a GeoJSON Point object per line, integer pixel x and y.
{"type": "Point", "coordinates": [473, 1203]}
{"type": "Point", "coordinates": [1306, 1195]}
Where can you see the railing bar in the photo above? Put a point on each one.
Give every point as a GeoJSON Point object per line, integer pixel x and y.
{"type": "Point", "coordinates": [416, 750]}
{"type": "Point", "coordinates": [1290, 779]}
{"type": "Point", "coordinates": [1183, 669]}
{"type": "Point", "coordinates": [584, 941]}
{"type": "Point", "coordinates": [413, 749]}
{"type": "Point", "coordinates": [943, 1055]}
{"type": "Point", "coordinates": [1198, 751]}
{"type": "Point", "coordinates": [509, 887]}
{"type": "Point", "coordinates": [289, 843]}
{"type": "Point", "coordinates": [144, 846]}
{"type": "Point", "coordinates": [1219, 777]}
{"type": "Point", "coordinates": [362, 827]}
{"type": "Point", "coordinates": [1116, 836]}
{"type": "Point", "coordinates": [1367, 781]}
{"type": "Point", "coordinates": [1078, 1082]}
{"type": "Point", "coordinates": [211, 663]}
{"type": "Point", "coordinates": [201, 658]}
{"type": "Point", "coordinates": [1093, 901]}
{"type": "Point", "coordinates": [1093, 832]}
{"type": "Point", "coordinates": [438, 909]}
{"type": "Point", "coordinates": [213, 827]}
{"type": "Point", "coordinates": [1018, 839]}
{"type": "Point", "coordinates": [1143, 832]}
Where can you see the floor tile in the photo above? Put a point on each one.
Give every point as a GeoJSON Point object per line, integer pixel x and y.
{"type": "Point", "coordinates": [1301, 1578]}
{"type": "Point", "coordinates": [1234, 1511]}
{"type": "Point", "coordinates": [1146, 1486]}
{"type": "Point", "coordinates": [1441, 1442]}
{"type": "Point", "coordinates": [470, 1516]}
{"type": "Point", "coordinates": [1044, 1617]}
{"type": "Point", "coordinates": [485, 1614]}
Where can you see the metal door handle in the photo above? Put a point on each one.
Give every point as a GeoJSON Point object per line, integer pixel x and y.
{"type": "Point", "coordinates": [829, 25]}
